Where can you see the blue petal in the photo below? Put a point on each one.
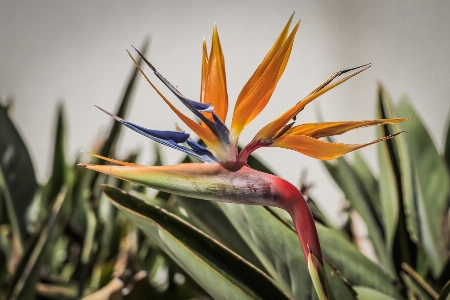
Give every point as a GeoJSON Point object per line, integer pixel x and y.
{"type": "Point", "coordinates": [175, 136]}
{"type": "Point", "coordinates": [169, 138]}
{"type": "Point", "coordinates": [169, 142]}
{"type": "Point", "coordinates": [224, 133]}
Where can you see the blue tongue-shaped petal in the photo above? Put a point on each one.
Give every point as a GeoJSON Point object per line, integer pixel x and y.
{"type": "Point", "coordinates": [196, 107]}
{"type": "Point", "coordinates": [169, 136]}
{"type": "Point", "coordinates": [224, 133]}
{"type": "Point", "coordinates": [170, 139]}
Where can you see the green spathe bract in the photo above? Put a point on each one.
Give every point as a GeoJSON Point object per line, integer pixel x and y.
{"type": "Point", "coordinates": [224, 182]}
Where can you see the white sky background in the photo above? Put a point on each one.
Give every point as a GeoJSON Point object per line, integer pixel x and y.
{"type": "Point", "coordinates": [64, 51]}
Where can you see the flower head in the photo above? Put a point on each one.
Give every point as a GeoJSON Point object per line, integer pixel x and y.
{"type": "Point", "coordinates": [221, 142]}
{"type": "Point", "coordinates": [223, 174]}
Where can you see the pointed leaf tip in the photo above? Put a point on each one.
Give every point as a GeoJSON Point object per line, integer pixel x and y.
{"type": "Point", "coordinates": [144, 59]}
{"type": "Point", "coordinates": [119, 119]}
{"type": "Point", "coordinates": [335, 75]}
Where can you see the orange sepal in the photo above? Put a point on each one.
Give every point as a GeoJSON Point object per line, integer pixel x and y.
{"type": "Point", "coordinates": [258, 95]}
{"type": "Point", "coordinates": [204, 72]}
{"type": "Point", "coordinates": [319, 149]}
{"type": "Point", "coordinates": [266, 61]}
{"type": "Point", "coordinates": [216, 83]}
{"type": "Point", "coordinates": [318, 130]}
{"type": "Point", "coordinates": [203, 83]}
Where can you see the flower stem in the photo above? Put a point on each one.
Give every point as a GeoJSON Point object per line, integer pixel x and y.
{"type": "Point", "coordinates": [295, 204]}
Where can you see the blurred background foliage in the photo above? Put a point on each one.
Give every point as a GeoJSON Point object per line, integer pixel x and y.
{"type": "Point", "coordinates": [82, 234]}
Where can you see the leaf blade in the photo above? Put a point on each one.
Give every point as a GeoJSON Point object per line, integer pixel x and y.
{"type": "Point", "coordinates": [18, 179]}
{"type": "Point", "coordinates": [432, 185]}
{"type": "Point", "coordinates": [278, 249]}
{"type": "Point", "coordinates": [27, 273]}
{"type": "Point", "coordinates": [345, 178]}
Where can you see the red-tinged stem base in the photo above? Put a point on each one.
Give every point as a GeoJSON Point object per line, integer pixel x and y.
{"type": "Point", "coordinates": [295, 204]}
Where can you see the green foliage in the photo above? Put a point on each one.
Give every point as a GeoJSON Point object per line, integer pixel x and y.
{"type": "Point", "coordinates": [81, 237]}
{"type": "Point", "coordinates": [406, 209]}
{"type": "Point", "coordinates": [17, 179]}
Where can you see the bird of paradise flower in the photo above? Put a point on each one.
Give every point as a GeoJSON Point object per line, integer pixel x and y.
{"type": "Point", "coordinates": [223, 173]}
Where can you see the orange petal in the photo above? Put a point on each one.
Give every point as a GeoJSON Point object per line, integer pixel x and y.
{"type": "Point", "coordinates": [204, 133]}
{"type": "Point", "coordinates": [319, 149]}
{"type": "Point", "coordinates": [271, 129]}
{"type": "Point", "coordinates": [318, 130]}
{"type": "Point", "coordinates": [203, 84]}
{"type": "Point", "coordinates": [254, 101]}
{"type": "Point", "coordinates": [266, 61]}
{"type": "Point", "coordinates": [216, 82]}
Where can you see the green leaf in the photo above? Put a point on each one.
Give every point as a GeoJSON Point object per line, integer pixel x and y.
{"type": "Point", "coordinates": [433, 189]}
{"type": "Point", "coordinates": [58, 176]}
{"type": "Point", "coordinates": [211, 219]}
{"type": "Point", "coordinates": [417, 282]}
{"type": "Point", "coordinates": [353, 265]}
{"type": "Point", "coordinates": [365, 293]}
{"type": "Point", "coordinates": [346, 179]}
{"type": "Point", "coordinates": [29, 268]}
{"type": "Point", "coordinates": [218, 270]}
{"type": "Point", "coordinates": [17, 178]}
{"type": "Point", "coordinates": [396, 188]}
{"type": "Point", "coordinates": [159, 161]}
{"type": "Point", "coordinates": [414, 290]}
{"type": "Point", "coordinates": [390, 178]}
{"type": "Point", "coordinates": [447, 146]}
{"type": "Point", "coordinates": [316, 211]}
{"type": "Point", "coordinates": [337, 249]}
{"type": "Point", "coordinates": [445, 292]}
{"type": "Point", "coordinates": [388, 195]}
{"type": "Point", "coordinates": [278, 248]}
{"type": "Point", "coordinates": [368, 182]}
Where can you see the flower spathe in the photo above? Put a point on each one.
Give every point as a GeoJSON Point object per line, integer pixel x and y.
{"type": "Point", "coordinates": [223, 174]}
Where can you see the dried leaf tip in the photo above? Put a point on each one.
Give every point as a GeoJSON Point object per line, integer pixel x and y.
{"type": "Point", "coordinates": [108, 113]}
{"type": "Point", "coordinates": [337, 74]}
{"type": "Point", "coordinates": [146, 61]}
